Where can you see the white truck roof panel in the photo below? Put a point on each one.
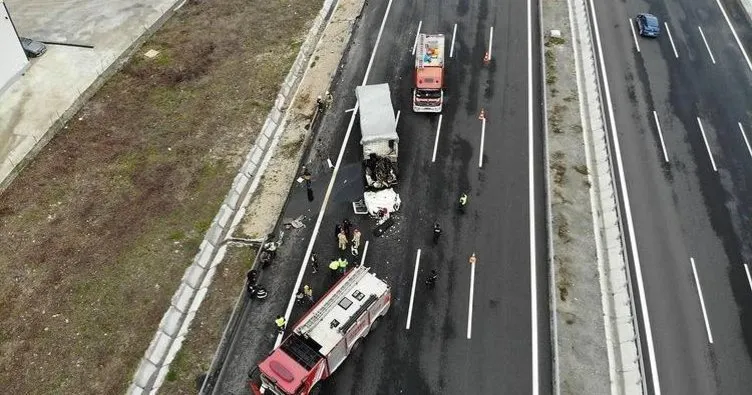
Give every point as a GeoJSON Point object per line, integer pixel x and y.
{"type": "Point", "coordinates": [377, 121]}
{"type": "Point", "coordinates": [353, 292]}
{"type": "Point", "coordinates": [430, 51]}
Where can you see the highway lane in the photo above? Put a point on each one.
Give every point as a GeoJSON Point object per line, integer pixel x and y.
{"type": "Point", "coordinates": [684, 208]}
{"type": "Point", "coordinates": [435, 355]}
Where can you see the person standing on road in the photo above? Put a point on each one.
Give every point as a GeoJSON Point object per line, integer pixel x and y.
{"type": "Point", "coordinates": [307, 176]}
{"type": "Point", "coordinates": [315, 262]}
{"type": "Point", "coordinates": [431, 280]}
{"type": "Point", "coordinates": [308, 292]}
{"type": "Point", "coordinates": [355, 242]}
{"type": "Point", "coordinates": [347, 227]}
{"type": "Point", "coordinates": [342, 265]}
{"type": "Point", "coordinates": [463, 201]}
{"type": "Point", "coordinates": [337, 230]}
{"type": "Point", "coordinates": [436, 232]}
{"type": "Point", "coordinates": [334, 267]}
{"type": "Point", "coordinates": [280, 322]}
{"type": "Point", "coordinates": [342, 239]}
{"type": "Point", "coordinates": [329, 99]}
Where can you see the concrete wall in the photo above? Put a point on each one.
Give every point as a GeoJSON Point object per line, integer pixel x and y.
{"type": "Point", "coordinates": [14, 59]}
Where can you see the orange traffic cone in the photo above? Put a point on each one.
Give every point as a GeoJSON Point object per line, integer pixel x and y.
{"type": "Point", "coordinates": [482, 114]}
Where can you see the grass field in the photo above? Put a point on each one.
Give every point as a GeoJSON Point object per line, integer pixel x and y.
{"type": "Point", "coordinates": [98, 230]}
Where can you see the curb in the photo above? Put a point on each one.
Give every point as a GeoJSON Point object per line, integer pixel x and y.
{"type": "Point", "coordinates": [194, 285]}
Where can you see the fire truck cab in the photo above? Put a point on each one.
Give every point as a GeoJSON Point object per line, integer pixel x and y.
{"type": "Point", "coordinates": [325, 335]}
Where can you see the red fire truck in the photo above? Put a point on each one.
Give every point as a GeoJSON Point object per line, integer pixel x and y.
{"type": "Point", "coordinates": [428, 95]}
{"type": "Point", "coordinates": [324, 337]}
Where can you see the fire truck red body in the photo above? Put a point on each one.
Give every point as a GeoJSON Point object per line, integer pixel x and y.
{"type": "Point", "coordinates": [327, 333]}
{"type": "Point", "coordinates": [428, 95]}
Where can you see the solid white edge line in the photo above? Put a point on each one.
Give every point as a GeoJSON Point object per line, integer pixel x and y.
{"type": "Point", "coordinates": [490, 43]}
{"type": "Point", "coordinates": [634, 36]}
{"type": "Point", "coordinates": [470, 302]}
{"type": "Point", "coordinates": [736, 37]}
{"type": "Point", "coordinates": [531, 206]}
{"type": "Point", "coordinates": [412, 292]}
{"type": "Point", "coordinates": [741, 129]}
{"type": "Point", "coordinates": [749, 278]}
{"type": "Point", "coordinates": [712, 58]}
{"type": "Point", "coordinates": [329, 188]}
{"type": "Point", "coordinates": [702, 301]}
{"type": "Point", "coordinates": [436, 142]}
{"type": "Point", "coordinates": [671, 39]}
{"type": "Point", "coordinates": [660, 134]}
{"type": "Point", "coordinates": [454, 34]}
{"type": "Point", "coordinates": [707, 146]}
{"type": "Point", "coordinates": [417, 34]}
{"type": "Point", "coordinates": [628, 210]}
{"type": "Point", "coordinates": [365, 251]}
{"type": "Point", "coordinates": [482, 141]}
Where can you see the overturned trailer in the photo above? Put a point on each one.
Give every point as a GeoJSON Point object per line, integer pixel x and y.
{"type": "Point", "coordinates": [379, 139]}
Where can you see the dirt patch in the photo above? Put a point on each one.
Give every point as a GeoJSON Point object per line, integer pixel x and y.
{"type": "Point", "coordinates": [195, 357]}
{"type": "Point", "coordinates": [98, 230]}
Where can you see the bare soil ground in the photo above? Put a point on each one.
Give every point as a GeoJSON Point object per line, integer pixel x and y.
{"type": "Point", "coordinates": [97, 231]}
{"type": "Point", "coordinates": [195, 357]}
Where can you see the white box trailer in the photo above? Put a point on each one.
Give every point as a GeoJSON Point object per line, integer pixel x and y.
{"type": "Point", "coordinates": [379, 139]}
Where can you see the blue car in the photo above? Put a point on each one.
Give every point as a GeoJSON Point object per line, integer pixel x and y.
{"type": "Point", "coordinates": [648, 25]}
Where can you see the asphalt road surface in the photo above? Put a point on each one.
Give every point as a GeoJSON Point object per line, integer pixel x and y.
{"type": "Point", "coordinates": [501, 344]}
{"type": "Point", "coordinates": [681, 104]}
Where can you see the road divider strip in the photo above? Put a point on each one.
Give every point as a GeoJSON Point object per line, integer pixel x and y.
{"type": "Point", "coordinates": [712, 58]}
{"type": "Point", "coordinates": [482, 141]}
{"type": "Point", "coordinates": [365, 251]}
{"type": "Point", "coordinates": [744, 135]}
{"type": "Point", "coordinates": [412, 291]}
{"type": "Point", "coordinates": [707, 146]}
{"type": "Point", "coordinates": [490, 43]}
{"type": "Point", "coordinates": [671, 39]}
{"type": "Point", "coordinates": [470, 301]}
{"type": "Point", "coordinates": [634, 36]}
{"type": "Point", "coordinates": [436, 142]}
{"type": "Point", "coordinates": [702, 301]}
{"type": "Point", "coordinates": [660, 134]}
{"type": "Point", "coordinates": [531, 204]}
{"type": "Point", "coordinates": [454, 35]}
{"type": "Point", "coordinates": [417, 34]}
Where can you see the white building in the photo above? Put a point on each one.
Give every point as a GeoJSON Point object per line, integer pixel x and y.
{"type": "Point", "coordinates": [13, 60]}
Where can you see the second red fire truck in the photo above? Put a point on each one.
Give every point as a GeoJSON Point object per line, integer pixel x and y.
{"type": "Point", "coordinates": [324, 337]}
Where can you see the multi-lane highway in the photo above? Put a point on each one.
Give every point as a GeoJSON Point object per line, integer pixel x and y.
{"type": "Point", "coordinates": [499, 342]}
{"type": "Point", "coordinates": [681, 108]}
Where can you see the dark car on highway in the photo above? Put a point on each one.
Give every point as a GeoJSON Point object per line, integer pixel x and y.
{"type": "Point", "coordinates": [648, 25]}
{"type": "Point", "coordinates": [32, 48]}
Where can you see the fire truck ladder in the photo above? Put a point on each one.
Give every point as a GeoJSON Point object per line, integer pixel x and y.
{"type": "Point", "coordinates": [353, 277]}
{"type": "Point", "coordinates": [421, 51]}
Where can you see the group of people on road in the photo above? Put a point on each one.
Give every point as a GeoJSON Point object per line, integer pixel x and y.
{"type": "Point", "coordinates": [346, 234]}
{"type": "Point", "coordinates": [434, 275]}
